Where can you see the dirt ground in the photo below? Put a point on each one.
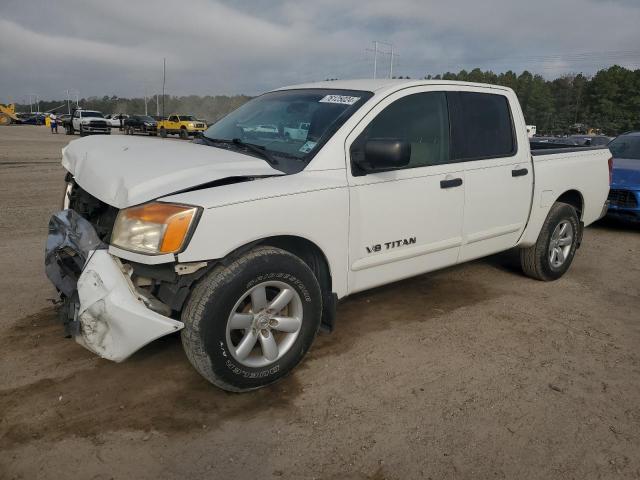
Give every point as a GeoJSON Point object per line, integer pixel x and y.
{"type": "Point", "coordinates": [472, 372]}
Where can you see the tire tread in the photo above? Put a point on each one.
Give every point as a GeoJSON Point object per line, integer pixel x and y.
{"type": "Point", "coordinates": [193, 314]}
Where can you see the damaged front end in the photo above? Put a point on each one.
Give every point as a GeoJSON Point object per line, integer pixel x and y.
{"type": "Point", "coordinates": [102, 309]}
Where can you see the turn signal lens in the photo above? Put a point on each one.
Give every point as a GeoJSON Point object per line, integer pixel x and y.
{"type": "Point", "coordinates": [153, 227]}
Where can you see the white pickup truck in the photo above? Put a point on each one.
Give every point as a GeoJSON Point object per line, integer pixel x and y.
{"type": "Point", "coordinates": [87, 122]}
{"type": "Point", "coordinates": [245, 241]}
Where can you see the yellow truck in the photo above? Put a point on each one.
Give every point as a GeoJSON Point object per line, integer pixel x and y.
{"type": "Point", "coordinates": [183, 125]}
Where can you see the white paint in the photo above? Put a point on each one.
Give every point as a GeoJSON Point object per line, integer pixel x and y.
{"type": "Point", "coordinates": [325, 204]}
{"type": "Point", "coordinates": [115, 321]}
{"type": "Point", "coordinates": [125, 170]}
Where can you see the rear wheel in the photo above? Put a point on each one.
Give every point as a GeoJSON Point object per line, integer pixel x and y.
{"type": "Point", "coordinates": [553, 252]}
{"type": "Point", "coordinates": [250, 323]}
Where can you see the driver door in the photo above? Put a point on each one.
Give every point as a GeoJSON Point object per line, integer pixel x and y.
{"type": "Point", "coordinates": [409, 220]}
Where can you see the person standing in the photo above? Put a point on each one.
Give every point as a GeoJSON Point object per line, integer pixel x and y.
{"type": "Point", "coordinates": [53, 121]}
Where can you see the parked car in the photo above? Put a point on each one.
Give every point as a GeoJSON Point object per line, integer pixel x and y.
{"type": "Point", "coordinates": [182, 125]}
{"type": "Point", "coordinates": [141, 124]}
{"type": "Point", "coordinates": [541, 142]}
{"type": "Point", "coordinates": [592, 140]}
{"type": "Point", "coordinates": [624, 196]}
{"type": "Point", "coordinates": [86, 122]}
{"type": "Point", "coordinates": [63, 117]}
{"type": "Point", "coordinates": [116, 120]}
{"type": "Point", "coordinates": [245, 242]}
{"type": "Point", "coordinates": [31, 118]}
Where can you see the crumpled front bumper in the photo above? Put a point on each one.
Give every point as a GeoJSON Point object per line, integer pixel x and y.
{"type": "Point", "coordinates": [105, 313]}
{"type": "Point", "coordinates": [114, 320]}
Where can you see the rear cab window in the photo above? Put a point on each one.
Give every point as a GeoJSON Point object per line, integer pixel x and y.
{"type": "Point", "coordinates": [481, 126]}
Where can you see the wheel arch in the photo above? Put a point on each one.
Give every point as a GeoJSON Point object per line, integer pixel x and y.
{"type": "Point", "coordinates": [308, 251]}
{"type": "Point", "coordinates": [314, 257]}
{"type": "Point", "coordinates": [575, 199]}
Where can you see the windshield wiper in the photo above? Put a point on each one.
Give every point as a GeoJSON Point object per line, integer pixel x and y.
{"type": "Point", "coordinates": [257, 149]}
{"type": "Point", "coordinates": [253, 148]}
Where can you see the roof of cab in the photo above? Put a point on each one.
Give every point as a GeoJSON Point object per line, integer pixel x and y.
{"type": "Point", "coordinates": [385, 85]}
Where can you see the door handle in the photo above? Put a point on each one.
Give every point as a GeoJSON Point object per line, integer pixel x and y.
{"type": "Point", "coordinates": [454, 182]}
{"type": "Point", "coordinates": [520, 172]}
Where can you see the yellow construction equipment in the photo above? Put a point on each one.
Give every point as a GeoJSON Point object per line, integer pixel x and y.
{"type": "Point", "coordinates": [7, 114]}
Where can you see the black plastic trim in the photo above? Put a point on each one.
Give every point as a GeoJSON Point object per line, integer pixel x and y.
{"type": "Point", "coordinates": [567, 149]}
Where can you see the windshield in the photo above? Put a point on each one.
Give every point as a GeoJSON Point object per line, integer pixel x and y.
{"type": "Point", "coordinates": [91, 114]}
{"type": "Point", "coordinates": [626, 146]}
{"type": "Point", "coordinates": [145, 118]}
{"type": "Point", "coordinates": [290, 124]}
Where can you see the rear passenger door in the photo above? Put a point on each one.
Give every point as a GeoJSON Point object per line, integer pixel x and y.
{"type": "Point", "coordinates": [498, 174]}
{"type": "Point", "coordinates": [405, 221]}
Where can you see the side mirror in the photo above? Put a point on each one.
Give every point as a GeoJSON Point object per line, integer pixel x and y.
{"type": "Point", "coordinates": [384, 154]}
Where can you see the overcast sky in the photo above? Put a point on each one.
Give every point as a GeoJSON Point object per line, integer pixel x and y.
{"type": "Point", "coordinates": [116, 47]}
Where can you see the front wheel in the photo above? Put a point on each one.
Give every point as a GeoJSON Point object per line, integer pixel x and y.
{"type": "Point", "coordinates": [184, 134]}
{"type": "Point", "coordinates": [551, 256]}
{"type": "Point", "coordinates": [249, 323]}
{"type": "Point", "coordinates": [163, 132]}
{"type": "Point", "coordinates": [82, 134]}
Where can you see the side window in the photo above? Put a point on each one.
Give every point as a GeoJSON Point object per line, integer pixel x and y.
{"type": "Point", "coordinates": [173, 118]}
{"type": "Point", "coordinates": [481, 126]}
{"type": "Point", "coordinates": [76, 114]}
{"type": "Point", "coordinates": [421, 119]}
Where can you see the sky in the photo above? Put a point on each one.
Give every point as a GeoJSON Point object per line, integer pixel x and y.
{"type": "Point", "coordinates": [116, 47]}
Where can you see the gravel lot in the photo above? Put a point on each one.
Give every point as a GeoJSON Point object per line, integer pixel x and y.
{"type": "Point", "coordinates": [472, 372]}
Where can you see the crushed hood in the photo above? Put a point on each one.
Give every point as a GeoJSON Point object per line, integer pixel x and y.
{"type": "Point", "coordinates": [126, 170]}
{"type": "Point", "coordinates": [626, 173]}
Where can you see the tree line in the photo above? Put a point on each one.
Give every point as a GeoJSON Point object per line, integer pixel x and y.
{"type": "Point", "coordinates": [609, 100]}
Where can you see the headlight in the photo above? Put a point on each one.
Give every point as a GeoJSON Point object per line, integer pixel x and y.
{"type": "Point", "coordinates": [191, 124]}
{"type": "Point", "coordinates": [154, 228]}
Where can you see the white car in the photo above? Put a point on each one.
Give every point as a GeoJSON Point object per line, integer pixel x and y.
{"type": "Point", "coordinates": [246, 241]}
{"type": "Point", "coordinates": [116, 120]}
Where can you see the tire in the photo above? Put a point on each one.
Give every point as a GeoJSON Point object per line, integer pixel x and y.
{"type": "Point", "coordinates": [163, 132]}
{"type": "Point", "coordinates": [184, 135]}
{"type": "Point", "coordinates": [82, 134]}
{"type": "Point", "coordinates": [212, 344]}
{"type": "Point", "coordinates": [539, 261]}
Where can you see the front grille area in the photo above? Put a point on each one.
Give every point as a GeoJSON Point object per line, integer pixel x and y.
{"type": "Point", "coordinates": [99, 214]}
{"type": "Point", "coordinates": [200, 125]}
{"type": "Point", "coordinates": [98, 123]}
{"type": "Point", "coordinates": [623, 199]}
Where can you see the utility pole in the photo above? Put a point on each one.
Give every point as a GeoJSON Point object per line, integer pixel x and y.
{"type": "Point", "coordinates": [145, 99]}
{"type": "Point", "coordinates": [375, 59]}
{"type": "Point", "coordinates": [68, 103]}
{"type": "Point", "coordinates": [157, 105]}
{"type": "Point", "coordinates": [164, 72]}
{"type": "Point", "coordinates": [377, 50]}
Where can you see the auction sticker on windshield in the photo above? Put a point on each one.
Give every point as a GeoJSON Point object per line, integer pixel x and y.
{"type": "Point", "coordinates": [307, 147]}
{"type": "Point", "coordinates": [342, 99]}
